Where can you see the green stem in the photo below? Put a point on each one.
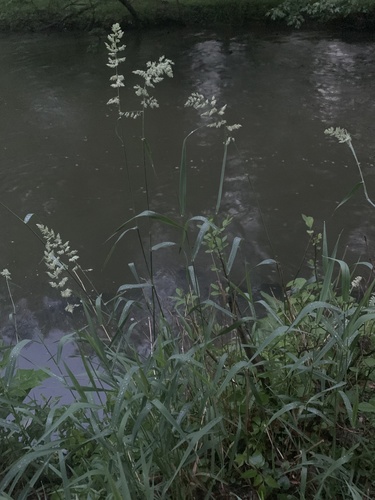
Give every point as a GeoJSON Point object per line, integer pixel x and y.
{"type": "Point", "coordinates": [222, 174]}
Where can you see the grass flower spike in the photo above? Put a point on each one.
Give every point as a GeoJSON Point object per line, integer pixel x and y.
{"type": "Point", "coordinates": [341, 134]}
{"type": "Point", "coordinates": [215, 114]}
{"type": "Point", "coordinates": [356, 282]}
{"type": "Point", "coordinates": [114, 47]}
{"type": "Point", "coordinates": [154, 73]}
{"type": "Point", "coordinates": [6, 274]}
{"type": "Point", "coordinates": [59, 258]}
{"type": "Point", "coordinates": [215, 118]}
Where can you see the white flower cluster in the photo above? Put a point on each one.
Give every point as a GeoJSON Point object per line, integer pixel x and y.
{"type": "Point", "coordinates": [6, 274]}
{"type": "Point", "coordinates": [114, 47]}
{"type": "Point", "coordinates": [341, 134]}
{"type": "Point", "coordinates": [132, 114]}
{"type": "Point", "coordinates": [356, 282]}
{"type": "Point", "coordinates": [199, 102]}
{"type": "Point", "coordinates": [54, 251]}
{"type": "Point", "coordinates": [154, 73]}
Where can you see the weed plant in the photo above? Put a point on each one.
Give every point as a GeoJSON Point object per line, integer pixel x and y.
{"type": "Point", "coordinates": [235, 398]}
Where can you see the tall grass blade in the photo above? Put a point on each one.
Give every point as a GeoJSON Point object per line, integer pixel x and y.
{"type": "Point", "coordinates": [345, 279]}
{"type": "Point", "coordinates": [222, 175]}
{"type": "Point", "coordinates": [11, 365]}
{"type": "Point", "coordinates": [193, 440]}
{"type": "Point", "coordinates": [124, 487]}
{"type": "Point", "coordinates": [183, 179]}
{"type": "Point", "coordinates": [64, 476]}
{"type": "Point", "coordinates": [233, 253]}
{"type": "Point", "coordinates": [200, 238]}
{"type": "Point", "coordinates": [335, 466]}
{"type": "Point", "coordinates": [350, 195]}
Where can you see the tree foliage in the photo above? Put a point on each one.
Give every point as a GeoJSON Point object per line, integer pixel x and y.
{"type": "Point", "coordinates": [296, 12]}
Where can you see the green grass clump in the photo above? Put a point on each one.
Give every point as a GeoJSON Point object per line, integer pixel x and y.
{"type": "Point", "coordinates": [289, 413]}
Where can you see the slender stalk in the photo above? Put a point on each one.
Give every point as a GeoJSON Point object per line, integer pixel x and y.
{"type": "Point", "coordinates": [7, 277]}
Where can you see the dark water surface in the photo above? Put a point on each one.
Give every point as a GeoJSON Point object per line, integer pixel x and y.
{"type": "Point", "coordinates": [61, 160]}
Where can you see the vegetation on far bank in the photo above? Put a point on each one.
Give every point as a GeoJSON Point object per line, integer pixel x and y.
{"type": "Point", "coordinates": [85, 15]}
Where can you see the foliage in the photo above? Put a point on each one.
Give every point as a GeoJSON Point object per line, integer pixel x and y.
{"type": "Point", "coordinates": [235, 396]}
{"type": "Point", "coordinates": [95, 14]}
{"type": "Point", "coordinates": [295, 12]}
{"type": "Point", "coordinates": [289, 413]}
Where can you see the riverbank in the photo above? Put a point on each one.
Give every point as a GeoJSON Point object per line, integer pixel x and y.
{"type": "Point", "coordinates": [235, 394]}
{"type": "Point", "coordinates": [43, 15]}
{"type": "Point", "coordinates": [85, 16]}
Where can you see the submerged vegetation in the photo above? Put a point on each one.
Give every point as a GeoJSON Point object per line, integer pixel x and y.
{"type": "Point", "coordinates": [236, 397]}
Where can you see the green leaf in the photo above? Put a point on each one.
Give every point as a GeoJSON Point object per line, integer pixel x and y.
{"type": "Point", "coordinates": [267, 262]}
{"type": "Point", "coordinates": [366, 407]}
{"type": "Point", "coordinates": [139, 286]}
{"type": "Point", "coordinates": [193, 439]}
{"type": "Point", "coordinates": [257, 460]}
{"type": "Point", "coordinates": [249, 474]}
{"type": "Point", "coordinates": [27, 218]}
{"type": "Point", "coordinates": [240, 459]}
{"type": "Point", "coordinates": [309, 221]}
{"type": "Point", "coordinates": [285, 409]}
{"type": "Point", "coordinates": [349, 195]}
{"type": "Point", "coordinates": [369, 362]}
{"type": "Point", "coordinates": [258, 480]}
{"type": "Point", "coordinates": [12, 361]}
{"type": "Point", "coordinates": [165, 244]}
{"type": "Point", "coordinates": [198, 242]}
{"type": "Point", "coordinates": [348, 407]}
{"type": "Point", "coordinates": [345, 279]}
{"type": "Point", "coordinates": [271, 482]}
{"type": "Point", "coordinates": [28, 379]}
{"type": "Point", "coordinates": [233, 253]}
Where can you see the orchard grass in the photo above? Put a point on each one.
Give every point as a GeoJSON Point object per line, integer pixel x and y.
{"type": "Point", "coordinates": [234, 397]}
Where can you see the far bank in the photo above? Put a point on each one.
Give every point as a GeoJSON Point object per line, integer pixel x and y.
{"type": "Point", "coordinates": [87, 15]}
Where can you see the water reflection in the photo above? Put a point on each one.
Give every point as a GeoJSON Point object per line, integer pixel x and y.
{"type": "Point", "coordinates": [208, 65]}
{"type": "Point", "coordinates": [333, 70]}
{"type": "Point", "coordinates": [61, 159]}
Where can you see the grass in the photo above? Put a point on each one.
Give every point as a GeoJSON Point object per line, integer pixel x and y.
{"type": "Point", "coordinates": [235, 398]}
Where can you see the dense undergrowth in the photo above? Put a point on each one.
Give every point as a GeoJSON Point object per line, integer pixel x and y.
{"type": "Point", "coordinates": [236, 397]}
